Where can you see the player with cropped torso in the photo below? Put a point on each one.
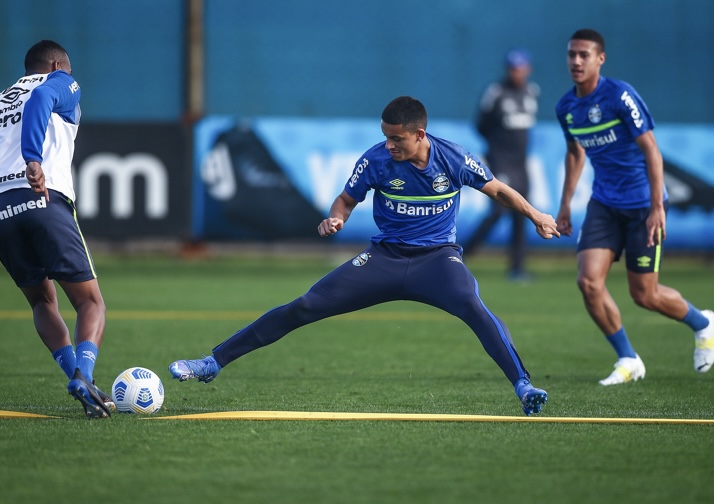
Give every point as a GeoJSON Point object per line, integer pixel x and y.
{"type": "Point", "coordinates": [414, 206]}
{"type": "Point", "coordinates": [605, 123]}
{"type": "Point", "coordinates": [54, 108]}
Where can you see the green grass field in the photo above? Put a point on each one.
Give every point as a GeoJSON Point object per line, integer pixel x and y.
{"type": "Point", "coordinates": [393, 358]}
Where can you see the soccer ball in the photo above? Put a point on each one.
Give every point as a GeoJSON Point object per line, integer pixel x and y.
{"type": "Point", "coordinates": [138, 390]}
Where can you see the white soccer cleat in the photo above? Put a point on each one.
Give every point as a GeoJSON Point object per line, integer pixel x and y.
{"type": "Point", "coordinates": [704, 345]}
{"type": "Point", "coordinates": [627, 369]}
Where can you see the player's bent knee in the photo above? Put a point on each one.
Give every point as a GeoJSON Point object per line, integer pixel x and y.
{"type": "Point", "coordinates": [589, 287]}
{"type": "Point", "coordinates": [302, 310]}
{"type": "Point", "coordinates": [644, 300]}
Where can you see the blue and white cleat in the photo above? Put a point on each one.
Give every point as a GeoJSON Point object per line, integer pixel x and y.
{"type": "Point", "coordinates": [204, 370]}
{"type": "Point", "coordinates": [86, 393]}
{"type": "Point", "coordinates": [704, 345]}
{"type": "Point", "coordinates": [627, 369]}
{"type": "Point", "coordinates": [533, 401]}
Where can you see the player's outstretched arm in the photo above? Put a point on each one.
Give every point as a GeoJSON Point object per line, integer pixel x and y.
{"type": "Point", "coordinates": [510, 198]}
{"type": "Point", "coordinates": [545, 225]}
{"type": "Point", "coordinates": [339, 213]}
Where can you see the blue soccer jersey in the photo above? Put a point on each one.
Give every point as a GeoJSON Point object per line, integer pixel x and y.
{"type": "Point", "coordinates": [413, 206]}
{"type": "Point", "coordinates": [605, 123]}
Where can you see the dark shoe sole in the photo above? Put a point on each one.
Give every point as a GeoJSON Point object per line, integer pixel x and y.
{"type": "Point", "coordinates": [105, 398]}
{"type": "Point", "coordinates": [85, 393]}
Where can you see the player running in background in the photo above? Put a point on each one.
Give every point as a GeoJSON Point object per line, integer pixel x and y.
{"type": "Point", "coordinates": [417, 179]}
{"type": "Point", "coordinates": [607, 120]}
{"type": "Point", "coordinates": [40, 240]}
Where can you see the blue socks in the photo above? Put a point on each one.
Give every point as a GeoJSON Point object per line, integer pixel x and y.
{"type": "Point", "coordinates": [621, 344]}
{"type": "Point", "coordinates": [66, 359]}
{"type": "Point", "coordinates": [695, 319]}
{"type": "Point", "coordinates": [86, 357]}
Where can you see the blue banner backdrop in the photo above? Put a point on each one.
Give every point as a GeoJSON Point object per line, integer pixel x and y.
{"type": "Point", "coordinates": [275, 178]}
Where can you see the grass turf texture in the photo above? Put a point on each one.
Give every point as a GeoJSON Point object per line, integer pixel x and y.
{"type": "Point", "coordinates": [394, 358]}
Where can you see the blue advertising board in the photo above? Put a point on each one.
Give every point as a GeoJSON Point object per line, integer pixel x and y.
{"type": "Point", "coordinates": [275, 178]}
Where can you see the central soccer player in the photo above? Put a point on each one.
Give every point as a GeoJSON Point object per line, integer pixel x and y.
{"type": "Point", "coordinates": [417, 180]}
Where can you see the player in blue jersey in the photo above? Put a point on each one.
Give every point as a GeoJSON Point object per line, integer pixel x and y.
{"type": "Point", "coordinates": [40, 240]}
{"type": "Point", "coordinates": [607, 121]}
{"type": "Point", "coordinates": [417, 181]}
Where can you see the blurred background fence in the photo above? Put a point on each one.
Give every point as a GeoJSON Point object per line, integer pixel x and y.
{"type": "Point", "coordinates": [240, 120]}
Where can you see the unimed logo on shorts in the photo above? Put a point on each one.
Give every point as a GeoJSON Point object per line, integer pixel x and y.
{"type": "Point", "coordinates": [13, 210]}
{"type": "Point", "coordinates": [121, 172]}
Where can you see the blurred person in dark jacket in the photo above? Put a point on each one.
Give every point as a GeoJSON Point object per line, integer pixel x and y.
{"type": "Point", "coordinates": [507, 112]}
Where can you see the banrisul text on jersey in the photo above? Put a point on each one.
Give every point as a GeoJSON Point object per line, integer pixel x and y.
{"type": "Point", "coordinates": [416, 206]}
{"type": "Point", "coordinates": [605, 123]}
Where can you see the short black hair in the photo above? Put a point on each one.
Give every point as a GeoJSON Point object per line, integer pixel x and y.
{"type": "Point", "coordinates": [42, 54]}
{"type": "Point", "coordinates": [407, 112]}
{"type": "Point", "coordinates": [591, 35]}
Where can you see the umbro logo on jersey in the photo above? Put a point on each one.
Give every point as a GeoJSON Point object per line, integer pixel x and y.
{"type": "Point", "coordinates": [397, 184]}
{"type": "Point", "coordinates": [11, 95]}
{"type": "Point", "coordinates": [644, 262]}
{"type": "Point", "coordinates": [456, 259]}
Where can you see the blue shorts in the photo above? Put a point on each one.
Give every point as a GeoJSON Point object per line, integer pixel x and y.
{"type": "Point", "coordinates": [433, 275]}
{"type": "Point", "coordinates": [617, 229]}
{"type": "Point", "coordinates": [41, 239]}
